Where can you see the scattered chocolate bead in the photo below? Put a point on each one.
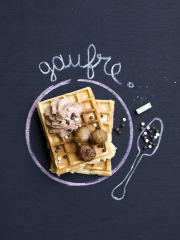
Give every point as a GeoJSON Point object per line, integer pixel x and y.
{"type": "Point", "coordinates": [97, 127]}
{"type": "Point", "coordinates": [151, 136]}
{"type": "Point", "coordinates": [104, 150]}
{"type": "Point", "coordinates": [119, 133]}
{"type": "Point", "coordinates": [65, 156]}
{"type": "Point", "coordinates": [58, 147]}
{"type": "Point", "coordinates": [57, 150]}
{"type": "Point", "coordinates": [67, 122]}
{"type": "Point", "coordinates": [151, 143]}
{"type": "Point", "coordinates": [102, 116]}
{"type": "Point", "coordinates": [141, 128]}
{"type": "Point", "coordinates": [145, 147]}
{"type": "Point", "coordinates": [117, 129]}
{"type": "Point", "coordinates": [153, 128]}
{"type": "Point", "coordinates": [72, 117]}
{"type": "Point", "coordinates": [144, 137]}
{"type": "Point", "coordinates": [122, 125]}
{"type": "Point", "coordinates": [74, 130]}
{"type": "Point", "coordinates": [91, 117]}
{"type": "Point", "coordinates": [154, 144]}
{"type": "Point", "coordinates": [153, 140]}
{"type": "Point", "coordinates": [150, 131]}
{"type": "Point", "coordinates": [70, 130]}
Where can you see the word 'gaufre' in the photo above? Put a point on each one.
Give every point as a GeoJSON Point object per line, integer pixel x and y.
{"type": "Point", "coordinates": [93, 60]}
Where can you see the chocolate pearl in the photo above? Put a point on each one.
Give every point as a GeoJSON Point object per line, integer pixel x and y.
{"type": "Point", "coordinates": [153, 140]}
{"type": "Point", "coordinates": [150, 131]}
{"type": "Point", "coordinates": [57, 150]}
{"type": "Point", "coordinates": [156, 130]}
{"type": "Point", "coordinates": [144, 137]}
{"type": "Point", "coordinates": [117, 129]}
{"type": "Point", "coordinates": [151, 143]}
{"type": "Point", "coordinates": [67, 122]}
{"type": "Point", "coordinates": [65, 156]}
{"type": "Point", "coordinates": [102, 116]}
{"type": "Point", "coordinates": [58, 147]}
{"type": "Point", "coordinates": [122, 125]}
{"type": "Point", "coordinates": [104, 150]}
{"type": "Point", "coordinates": [119, 133]}
{"type": "Point", "coordinates": [72, 117]}
{"type": "Point", "coordinates": [145, 147]}
{"type": "Point", "coordinates": [97, 127]}
{"type": "Point", "coordinates": [70, 130]}
{"type": "Point", "coordinates": [141, 128]}
{"type": "Point", "coordinates": [91, 117]}
{"type": "Point", "coordinates": [153, 128]}
{"type": "Point", "coordinates": [151, 136]}
{"type": "Point", "coordinates": [154, 144]}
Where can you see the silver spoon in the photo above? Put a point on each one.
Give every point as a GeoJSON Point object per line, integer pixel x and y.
{"type": "Point", "coordinates": [138, 159]}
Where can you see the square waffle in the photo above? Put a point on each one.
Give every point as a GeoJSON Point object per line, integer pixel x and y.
{"type": "Point", "coordinates": [69, 148]}
{"type": "Point", "coordinates": [106, 110]}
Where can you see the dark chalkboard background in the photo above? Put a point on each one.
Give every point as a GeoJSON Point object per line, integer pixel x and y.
{"type": "Point", "coordinates": [144, 37]}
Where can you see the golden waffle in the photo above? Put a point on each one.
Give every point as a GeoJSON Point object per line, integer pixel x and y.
{"type": "Point", "coordinates": [106, 109]}
{"type": "Point", "coordinates": [69, 148]}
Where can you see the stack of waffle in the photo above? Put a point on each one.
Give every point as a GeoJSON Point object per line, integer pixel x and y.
{"type": "Point", "coordinates": [102, 112]}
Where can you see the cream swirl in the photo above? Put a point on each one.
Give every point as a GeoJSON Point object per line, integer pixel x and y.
{"type": "Point", "coordinates": [63, 116]}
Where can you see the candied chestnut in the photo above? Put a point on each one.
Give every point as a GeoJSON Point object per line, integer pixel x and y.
{"type": "Point", "coordinates": [99, 136]}
{"type": "Point", "coordinates": [82, 135]}
{"type": "Point", "coordinates": [86, 152]}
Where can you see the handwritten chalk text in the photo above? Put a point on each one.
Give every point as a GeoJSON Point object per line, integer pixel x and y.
{"type": "Point", "coordinates": [93, 60]}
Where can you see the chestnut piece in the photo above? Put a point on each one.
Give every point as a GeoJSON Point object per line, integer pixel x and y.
{"type": "Point", "coordinates": [82, 135]}
{"type": "Point", "coordinates": [99, 136]}
{"type": "Point", "coordinates": [87, 152]}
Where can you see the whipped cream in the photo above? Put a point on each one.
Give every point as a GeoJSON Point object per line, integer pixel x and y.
{"type": "Point", "coordinates": [63, 116]}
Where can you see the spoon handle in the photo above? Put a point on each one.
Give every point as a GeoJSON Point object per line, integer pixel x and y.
{"type": "Point", "coordinates": [125, 181]}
